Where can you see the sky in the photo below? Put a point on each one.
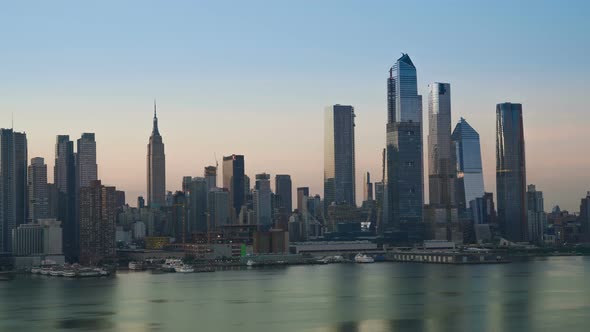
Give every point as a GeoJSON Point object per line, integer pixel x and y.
{"type": "Point", "coordinates": [253, 78]}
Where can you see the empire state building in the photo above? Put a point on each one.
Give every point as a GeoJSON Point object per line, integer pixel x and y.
{"type": "Point", "coordinates": [156, 167]}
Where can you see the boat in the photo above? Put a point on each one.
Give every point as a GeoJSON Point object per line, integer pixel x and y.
{"type": "Point", "coordinates": [45, 271]}
{"type": "Point", "coordinates": [184, 269]}
{"type": "Point", "coordinates": [136, 266]}
{"type": "Point", "coordinates": [87, 272]}
{"type": "Point", "coordinates": [56, 273]}
{"type": "Point", "coordinates": [69, 274]}
{"type": "Point", "coordinates": [35, 270]}
{"type": "Point", "coordinates": [251, 263]}
{"type": "Point", "coordinates": [362, 258]}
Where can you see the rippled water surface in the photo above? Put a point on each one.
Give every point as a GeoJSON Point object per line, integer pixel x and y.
{"type": "Point", "coordinates": [550, 294]}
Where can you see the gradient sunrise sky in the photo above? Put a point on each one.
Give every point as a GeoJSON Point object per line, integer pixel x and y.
{"type": "Point", "coordinates": [253, 78]}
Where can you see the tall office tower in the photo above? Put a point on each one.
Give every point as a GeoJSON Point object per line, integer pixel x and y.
{"type": "Point", "coordinates": [301, 192]}
{"type": "Point", "coordinates": [156, 167]}
{"type": "Point", "coordinates": [53, 200]}
{"type": "Point", "coordinates": [121, 201]}
{"type": "Point", "coordinates": [284, 189]}
{"type": "Point", "coordinates": [98, 214]}
{"type": "Point", "coordinates": [12, 211]}
{"type": "Point", "coordinates": [21, 160]}
{"type": "Point", "coordinates": [511, 172]}
{"type": "Point", "coordinates": [465, 146]}
{"type": "Point", "coordinates": [218, 207]}
{"type": "Point", "coordinates": [442, 170]}
{"type": "Point", "coordinates": [585, 215]}
{"type": "Point", "coordinates": [247, 188]}
{"type": "Point", "coordinates": [483, 209]}
{"type": "Point", "coordinates": [211, 177]}
{"type": "Point", "coordinates": [339, 166]}
{"type": "Point", "coordinates": [186, 180]}
{"type": "Point", "coordinates": [140, 202]}
{"type": "Point", "coordinates": [64, 175]}
{"type": "Point", "coordinates": [180, 216]}
{"type": "Point", "coordinates": [262, 200]}
{"type": "Point", "coordinates": [234, 182]}
{"type": "Point", "coordinates": [197, 205]}
{"type": "Point", "coordinates": [536, 217]}
{"type": "Point", "coordinates": [38, 190]}
{"type": "Point", "coordinates": [368, 188]}
{"type": "Point", "coordinates": [86, 167]}
{"type": "Point", "coordinates": [404, 175]}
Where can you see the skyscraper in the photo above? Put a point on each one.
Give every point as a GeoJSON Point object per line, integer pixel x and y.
{"type": "Point", "coordinates": [536, 217]}
{"type": "Point", "coordinates": [156, 167]}
{"type": "Point", "coordinates": [38, 190]}
{"type": "Point", "coordinates": [218, 207]}
{"type": "Point", "coordinates": [368, 188]}
{"type": "Point", "coordinates": [511, 172]}
{"type": "Point", "coordinates": [13, 184]}
{"type": "Point", "coordinates": [98, 213]}
{"type": "Point", "coordinates": [404, 175]}
{"type": "Point", "coordinates": [262, 200]}
{"type": "Point", "coordinates": [64, 175]}
{"type": "Point", "coordinates": [465, 146]}
{"type": "Point", "coordinates": [86, 167]}
{"type": "Point", "coordinates": [284, 189]}
{"type": "Point", "coordinates": [211, 177]}
{"type": "Point", "coordinates": [441, 167]}
{"type": "Point", "coordinates": [234, 181]}
{"type": "Point", "coordinates": [339, 157]}
{"type": "Point", "coordinates": [585, 215]}
{"type": "Point", "coordinates": [197, 204]}
{"type": "Point", "coordinates": [301, 192]}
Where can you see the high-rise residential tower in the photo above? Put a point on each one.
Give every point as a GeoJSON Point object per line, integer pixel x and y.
{"type": "Point", "coordinates": [38, 190]}
{"type": "Point", "coordinates": [404, 174]}
{"type": "Point", "coordinates": [339, 156]}
{"type": "Point", "coordinates": [156, 167]}
{"type": "Point", "coordinates": [98, 213]}
{"type": "Point", "coordinates": [64, 175]}
{"type": "Point", "coordinates": [536, 217]}
{"type": "Point", "coordinates": [13, 184]}
{"type": "Point", "coordinates": [442, 170]}
{"type": "Point", "coordinates": [234, 182]}
{"type": "Point", "coordinates": [284, 189]}
{"type": "Point", "coordinates": [86, 167]}
{"type": "Point", "coordinates": [465, 146]}
{"type": "Point", "coordinates": [511, 172]}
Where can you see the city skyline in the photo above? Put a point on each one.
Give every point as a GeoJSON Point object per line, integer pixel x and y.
{"type": "Point", "coordinates": [106, 103]}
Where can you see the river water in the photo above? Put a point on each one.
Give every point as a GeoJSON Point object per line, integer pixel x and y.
{"type": "Point", "coordinates": [544, 294]}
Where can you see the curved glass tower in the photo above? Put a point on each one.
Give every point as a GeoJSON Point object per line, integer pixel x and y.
{"type": "Point", "coordinates": [511, 172]}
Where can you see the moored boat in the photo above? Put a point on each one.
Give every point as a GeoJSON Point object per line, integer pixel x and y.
{"type": "Point", "coordinates": [362, 258]}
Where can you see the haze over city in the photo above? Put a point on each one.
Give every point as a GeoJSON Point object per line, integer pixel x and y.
{"type": "Point", "coordinates": [254, 78]}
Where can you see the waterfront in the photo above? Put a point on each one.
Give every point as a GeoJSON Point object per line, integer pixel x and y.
{"type": "Point", "coordinates": [543, 294]}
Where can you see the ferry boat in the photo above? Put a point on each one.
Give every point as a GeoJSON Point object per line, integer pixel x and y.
{"type": "Point", "coordinates": [45, 271]}
{"type": "Point", "coordinates": [35, 270]}
{"type": "Point", "coordinates": [362, 258]}
{"type": "Point", "coordinates": [56, 273]}
{"type": "Point", "coordinates": [69, 274]}
{"type": "Point", "coordinates": [184, 269]}
{"type": "Point", "coordinates": [136, 266]}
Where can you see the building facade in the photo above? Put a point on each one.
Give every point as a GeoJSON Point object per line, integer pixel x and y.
{"type": "Point", "coordinates": [156, 167]}
{"type": "Point", "coordinates": [339, 155]}
{"type": "Point", "coordinates": [262, 200]}
{"type": "Point", "coordinates": [511, 172]}
{"type": "Point", "coordinates": [86, 167]}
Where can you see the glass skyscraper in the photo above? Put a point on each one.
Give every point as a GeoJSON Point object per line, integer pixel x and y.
{"type": "Point", "coordinates": [234, 181]}
{"type": "Point", "coordinates": [511, 172]}
{"type": "Point", "coordinates": [467, 150]}
{"type": "Point", "coordinates": [339, 155]}
{"type": "Point", "coordinates": [64, 175]}
{"type": "Point", "coordinates": [404, 174]}
{"type": "Point", "coordinates": [441, 167]}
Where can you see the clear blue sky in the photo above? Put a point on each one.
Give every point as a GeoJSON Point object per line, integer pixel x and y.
{"type": "Point", "coordinates": [253, 77]}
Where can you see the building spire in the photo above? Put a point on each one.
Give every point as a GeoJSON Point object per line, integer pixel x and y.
{"type": "Point", "coordinates": [155, 131]}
